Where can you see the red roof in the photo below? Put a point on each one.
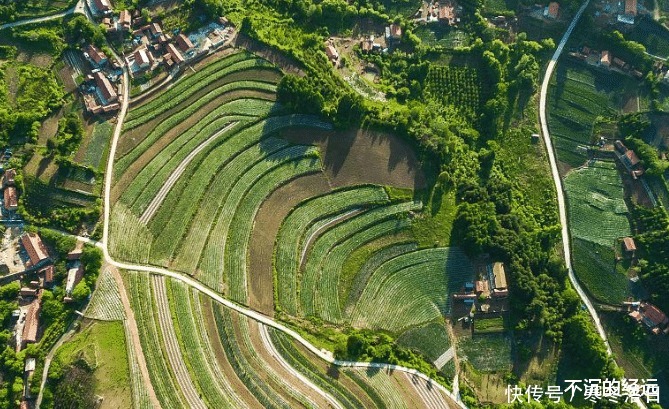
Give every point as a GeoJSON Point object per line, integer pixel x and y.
{"type": "Point", "coordinates": [155, 29]}
{"type": "Point", "coordinates": [654, 314]}
{"type": "Point", "coordinates": [105, 87]}
{"type": "Point", "coordinates": [606, 58]}
{"type": "Point", "coordinates": [34, 247]}
{"type": "Point", "coordinates": [630, 7]}
{"type": "Point", "coordinates": [331, 52]}
{"type": "Point", "coordinates": [96, 55]}
{"type": "Point", "coordinates": [184, 43]}
{"type": "Point", "coordinates": [102, 5]}
{"type": "Point", "coordinates": [176, 55]}
{"type": "Point", "coordinates": [10, 175]}
{"type": "Point", "coordinates": [11, 198]}
{"type": "Point", "coordinates": [125, 19]}
{"type": "Point", "coordinates": [48, 274]}
{"type": "Point", "coordinates": [628, 244]}
{"type": "Point", "coordinates": [32, 322]}
{"type": "Point", "coordinates": [553, 9]}
{"type": "Point", "coordinates": [633, 159]}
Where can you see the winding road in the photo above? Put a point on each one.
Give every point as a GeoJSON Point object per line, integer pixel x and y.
{"type": "Point", "coordinates": [78, 8]}
{"type": "Point", "coordinates": [562, 208]}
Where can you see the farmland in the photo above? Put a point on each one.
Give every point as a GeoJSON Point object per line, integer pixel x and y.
{"type": "Point", "coordinates": [196, 166]}
{"type": "Point", "coordinates": [577, 96]}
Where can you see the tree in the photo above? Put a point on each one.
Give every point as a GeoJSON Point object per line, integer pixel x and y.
{"type": "Point", "coordinates": [81, 292]}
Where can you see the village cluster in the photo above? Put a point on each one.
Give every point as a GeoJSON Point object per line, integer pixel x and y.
{"type": "Point", "coordinates": [486, 296]}
{"type": "Point", "coordinates": [147, 49]}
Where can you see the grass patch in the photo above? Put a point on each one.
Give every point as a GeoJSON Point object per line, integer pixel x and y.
{"type": "Point", "coordinates": [102, 345]}
{"type": "Point", "coordinates": [487, 353]}
{"type": "Point", "coordinates": [433, 227]}
{"type": "Point", "coordinates": [597, 209]}
{"type": "Point", "coordinates": [596, 267]}
{"type": "Point", "coordinates": [489, 325]}
{"type": "Point", "coordinates": [430, 340]}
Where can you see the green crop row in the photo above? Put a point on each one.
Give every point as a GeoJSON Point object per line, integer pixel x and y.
{"type": "Point", "coordinates": [129, 239]}
{"type": "Point", "coordinates": [312, 278]}
{"type": "Point", "coordinates": [291, 236]}
{"type": "Point", "coordinates": [159, 369]}
{"type": "Point", "coordinates": [243, 219]}
{"type": "Point", "coordinates": [412, 289]}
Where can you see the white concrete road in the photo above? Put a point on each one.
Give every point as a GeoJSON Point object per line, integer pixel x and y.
{"type": "Point", "coordinates": [78, 8]}
{"type": "Point", "coordinates": [562, 208]}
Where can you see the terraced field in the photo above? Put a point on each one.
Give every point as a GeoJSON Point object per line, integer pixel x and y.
{"type": "Point", "coordinates": [196, 166]}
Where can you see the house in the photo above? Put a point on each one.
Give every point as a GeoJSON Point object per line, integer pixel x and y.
{"type": "Point", "coordinates": [653, 317]}
{"type": "Point", "coordinates": [35, 248]}
{"type": "Point", "coordinates": [8, 178]}
{"type": "Point", "coordinates": [366, 46]}
{"type": "Point", "coordinates": [11, 198]}
{"type": "Point", "coordinates": [553, 10]}
{"type": "Point", "coordinates": [629, 247]}
{"type": "Point", "coordinates": [332, 53]}
{"type": "Point", "coordinates": [620, 147]}
{"type": "Point", "coordinates": [497, 293]}
{"type": "Point", "coordinates": [184, 43]}
{"type": "Point", "coordinates": [29, 335]}
{"type": "Point", "coordinates": [155, 30]}
{"type": "Point", "coordinates": [498, 281]}
{"type": "Point", "coordinates": [630, 159]}
{"type": "Point", "coordinates": [175, 54]}
{"type": "Point", "coordinates": [142, 58]}
{"type": "Point", "coordinates": [630, 7]}
{"type": "Point", "coordinates": [97, 57]}
{"type": "Point", "coordinates": [47, 273]}
{"type": "Point", "coordinates": [125, 20]}
{"type": "Point", "coordinates": [605, 59]}
{"type": "Point", "coordinates": [618, 62]}
{"type": "Point", "coordinates": [74, 275]}
{"type": "Point", "coordinates": [75, 254]}
{"type": "Point", "coordinates": [482, 288]}
{"type": "Point", "coordinates": [395, 31]}
{"type": "Point", "coordinates": [107, 92]}
{"type": "Point", "coordinates": [29, 366]}
{"type": "Point", "coordinates": [28, 292]}
{"type": "Point", "coordinates": [102, 6]}
{"type": "Point", "coordinates": [446, 14]}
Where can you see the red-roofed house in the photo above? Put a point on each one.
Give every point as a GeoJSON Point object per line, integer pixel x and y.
{"type": "Point", "coordinates": [395, 31]}
{"type": "Point", "coordinates": [156, 30]}
{"type": "Point", "coordinates": [184, 43]}
{"type": "Point", "coordinates": [11, 198]}
{"type": "Point", "coordinates": [142, 58]}
{"type": "Point", "coordinates": [9, 177]}
{"type": "Point", "coordinates": [176, 55]}
{"type": "Point", "coordinates": [48, 275]}
{"type": "Point", "coordinates": [630, 158]}
{"type": "Point", "coordinates": [106, 90]}
{"type": "Point", "coordinates": [553, 9]}
{"type": "Point", "coordinates": [29, 335]}
{"type": "Point", "coordinates": [332, 53]}
{"type": "Point", "coordinates": [446, 14]}
{"type": "Point", "coordinates": [605, 60]}
{"type": "Point", "coordinates": [125, 20]}
{"type": "Point", "coordinates": [96, 56]}
{"type": "Point", "coordinates": [653, 316]}
{"type": "Point", "coordinates": [102, 6]}
{"type": "Point", "coordinates": [629, 246]}
{"type": "Point", "coordinates": [630, 7]}
{"type": "Point", "coordinates": [35, 248]}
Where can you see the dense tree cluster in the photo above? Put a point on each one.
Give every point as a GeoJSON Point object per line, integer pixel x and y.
{"type": "Point", "coordinates": [69, 136]}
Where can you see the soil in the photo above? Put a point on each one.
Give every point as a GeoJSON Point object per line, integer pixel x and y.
{"type": "Point", "coordinates": [222, 359]}
{"type": "Point", "coordinates": [170, 135]}
{"type": "Point", "coordinates": [259, 367]}
{"type": "Point", "coordinates": [285, 375]}
{"type": "Point", "coordinates": [266, 226]}
{"type": "Point", "coordinates": [363, 156]}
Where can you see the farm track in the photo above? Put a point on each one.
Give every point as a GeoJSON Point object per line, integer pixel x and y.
{"type": "Point", "coordinates": [171, 343]}
{"type": "Point", "coordinates": [78, 8]}
{"type": "Point", "coordinates": [254, 315]}
{"type": "Point", "coordinates": [176, 174]}
{"type": "Point", "coordinates": [431, 398]}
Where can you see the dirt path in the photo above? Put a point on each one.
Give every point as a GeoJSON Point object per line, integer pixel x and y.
{"type": "Point", "coordinates": [176, 174]}
{"type": "Point", "coordinates": [428, 393]}
{"type": "Point", "coordinates": [265, 228]}
{"type": "Point", "coordinates": [134, 335]}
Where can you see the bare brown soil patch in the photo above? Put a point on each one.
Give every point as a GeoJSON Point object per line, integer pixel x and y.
{"type": "Point", "coordinates": [222, 359]}
{"type": "Point", "coordinates": [170, 135]}
{"type": "Point", "coordinates": [363, 156]}
{"type": "Point", "coordinates": [266, 226]}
